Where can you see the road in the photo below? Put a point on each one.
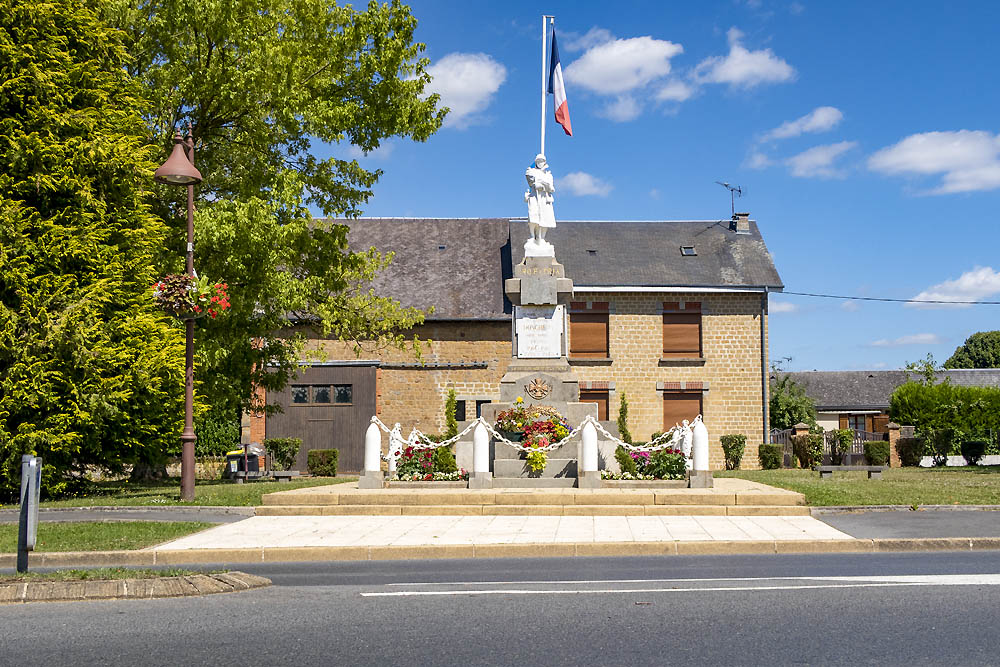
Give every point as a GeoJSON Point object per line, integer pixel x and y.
{"type": "Point", "coordinates": [914, 609]}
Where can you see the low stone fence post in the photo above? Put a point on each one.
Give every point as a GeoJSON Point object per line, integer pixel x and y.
{"type": "Point", "coordinates": [893, 441]}
{"type": "Point", "coordinates": [372, 477]}
{"type": "Point", "coordinates": [588, 476]}
{"type": "Point", "coordinates": [481, 477]}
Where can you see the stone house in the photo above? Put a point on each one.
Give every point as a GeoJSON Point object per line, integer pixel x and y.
{"type": "Point", "coordinates": [672, 314]}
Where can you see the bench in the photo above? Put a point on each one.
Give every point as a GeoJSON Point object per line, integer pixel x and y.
{"type": "Point", "coordinates": [826, 472]}
{"type": "Point", "coordinates": [284, 475]}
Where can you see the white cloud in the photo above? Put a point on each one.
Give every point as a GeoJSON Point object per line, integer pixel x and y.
{"type": "Point", "coordinates": [654, 193]}
{"type": "Point", "coordinates": [758, 160]}
{"type": "Point", "coordinates": [675, 91]}
{"type": "Point", "coordinates": [381, 153]}
{"type": "Point", "coordinates": [819, 119]}
{"type": "Point", "coordinates": [743, 68]}
{"type": "Point", "coordinates": [975, 285]}
{"type": "Point", "coordinates": [466, 83]}
{"type": "Point", "coordinates": [968, 159]}
{"type": "Point", "coordinates": [781, 307]}
{"type": "Point", "coordinates": [623, 109]}
{"type": "Point", "coordinates": [817, 162]}
{"type": "Point", "coordinates": [850, 306]}
{"type": "Point", "coordinates": [912, 339]}
{"type": "Point", "coordinates": [582, 184]}
{"type": "Point", "coordinates": [622, 65]}
{"type": "Point", "coordinates": [593, 37]}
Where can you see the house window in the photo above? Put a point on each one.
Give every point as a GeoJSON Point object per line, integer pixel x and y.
{"type": "Point", "coordinates": [343, 393]}
{"type": "Point", "coordinates": [857, 422]}
{"type": "Point", "coordinates": [322, 394]}
{"type": "Point", "coordinates": [588, 330]}
{"type": "Point", "coordinates": [300, 393]}
{"type": "Point", "coordinates": [479, 407]}
{"type": "Point", "coordinates": [682, 330]}
{"type": "Point", "coordinates": [680, 405]}
{"type": "Point", "coordinates": [460, 411]}
{"type": "Point", "coordinates": [596, 396]}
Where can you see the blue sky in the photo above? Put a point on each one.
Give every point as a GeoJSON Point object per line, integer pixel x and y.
{"type": "Point", "coordinates": [864, 134]}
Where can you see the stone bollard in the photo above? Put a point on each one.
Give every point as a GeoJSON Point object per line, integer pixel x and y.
{"type": "Point", "coordinates": [588, 476]}
{"type": "Point", "coordinates": [372, 478]}
{"type": "Point", "coordinates": [701, 476]}
{"type": "Point", "coordinates": [480, 477]}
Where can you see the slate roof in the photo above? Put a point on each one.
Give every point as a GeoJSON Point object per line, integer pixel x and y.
{"type": "Point", "coordinates": [844, 391]}
{"type": "Point", "coordinates": [648, 254]}
{"type": "Point", "coordinates": [459, 265]}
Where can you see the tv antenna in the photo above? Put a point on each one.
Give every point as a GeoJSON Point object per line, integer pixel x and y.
{"type": "Point", "coordinates": [734, 192]}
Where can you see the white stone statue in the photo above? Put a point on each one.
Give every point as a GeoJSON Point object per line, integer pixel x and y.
{"type": "Point", "coordinates": [541, 213]}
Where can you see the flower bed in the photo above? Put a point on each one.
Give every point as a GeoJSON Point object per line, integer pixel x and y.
{"type": "Point", "coordinates": [188, 297]}
{"type": "Point", "coordinates": [538, 426]}
{"type": "Point", "coordinates": [663, 464]}
{"type": "Point", "coordinates": [457, 476]}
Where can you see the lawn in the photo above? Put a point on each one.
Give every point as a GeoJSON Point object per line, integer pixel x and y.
{"type": "Point", "coordinates": [100, 536]}
{"type": "Point", "coordinates": [207, 492]}
{"type": "Point", "coordinates": [899, 486]}
{"type": "Point", "coordinates": [100, 574]}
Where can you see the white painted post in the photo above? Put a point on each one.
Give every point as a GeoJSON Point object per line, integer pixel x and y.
{"type": "Point", "coordinates": [701, 477]}
{"type": "Point", "coordinates": [372, 477]}
{"type": "Point", "coordinates": [480, 478]}
{"type": "Point", "coordinates": [587, 475]}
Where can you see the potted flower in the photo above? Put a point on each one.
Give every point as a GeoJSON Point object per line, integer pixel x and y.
{"type": "Point", "coordinates": [190, 297]}
{"type": "Point", "coordinates": [535, 427]}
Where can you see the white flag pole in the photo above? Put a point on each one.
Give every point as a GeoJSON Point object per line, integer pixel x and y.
{"type": "Point", "coordinates": [545, 25]}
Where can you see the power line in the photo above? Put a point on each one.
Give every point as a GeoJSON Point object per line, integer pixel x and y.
{"type": "Point", "coordinates": [876, 298]}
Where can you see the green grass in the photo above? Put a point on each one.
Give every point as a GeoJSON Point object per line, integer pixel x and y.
{"type": "Point", "coordinates": [100, 536]}
{"type": "Point", "coordinates": [207, 492]}
{"type": "Point", "coordinates": [100, 574]}
{"type": "Point", "coordinates": [898, 486]}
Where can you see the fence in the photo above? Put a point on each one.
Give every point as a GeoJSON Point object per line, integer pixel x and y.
{"type": "Point", "coordinates": [856, 456]}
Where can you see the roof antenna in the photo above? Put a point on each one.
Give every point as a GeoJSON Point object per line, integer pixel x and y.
{"type": "Point", "coordinates": [734, 192]}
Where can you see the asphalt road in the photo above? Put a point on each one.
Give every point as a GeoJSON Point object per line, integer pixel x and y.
{"type": "Point", "coordinates": [924, 523]}
{"type": "Point", "coordinates": [584, 611]}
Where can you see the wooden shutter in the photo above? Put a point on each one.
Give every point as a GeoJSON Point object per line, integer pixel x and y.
{"type": "Point", "coordinates": [880, 423]}
{"type": "Point", "coordinates": [681, 335]}
{"type": "Point", "coordinates": [599, 397]}
{"type": "Point", "coordinates": [588, 335]}
{"type": "Point", "coordinates": [843, 422]}
{"type": "Point", "coordinates": [678, 406]}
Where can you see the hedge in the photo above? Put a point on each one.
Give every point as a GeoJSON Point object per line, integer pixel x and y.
{"type": "Point", "coordinates": [910, 451]}
{"type": "Point", "coordinates": [973, 451]}
{"type": "Point", "coordinates": [808, 449]}
{"type": "Point", "coordinates": [283, 451]}
{"type": "Point", "coordinates": [733, 446]}
{"type": "Point", "coordinates": [323, 462]}
{"type": "Point", "coordinates": [770, 456]}
{"type": "Point", "coordinates": [876, 452]}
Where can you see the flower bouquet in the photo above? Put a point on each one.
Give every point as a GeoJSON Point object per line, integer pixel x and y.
{"type": "Point", "coordinates": [189, 297]}
{"type": "Point", "coordinates": [536, 427]}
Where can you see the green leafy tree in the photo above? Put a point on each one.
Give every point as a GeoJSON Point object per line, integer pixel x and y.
{"type": "Point", "coordinates": [980, 350]}
{"type": "Point", "coordinates": [450, 423]}
{"type": "Point", "coordinates": [623, 431]}
{"type": "Point", "coordinates": [90, 373]}
{"type": "Point", "coordinates": [789, 404]}
{"type": "Point", "coordinates": [266, 85]}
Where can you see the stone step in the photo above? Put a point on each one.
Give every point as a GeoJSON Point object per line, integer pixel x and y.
{"type": "Point", "coordinates": [534, 482]}
{"type": "Point", "coordinates": [504, 452]}
{"type": "Point", "coordinates": [532, 510]}
{"type": "Point", "coordinates": [516, 468]}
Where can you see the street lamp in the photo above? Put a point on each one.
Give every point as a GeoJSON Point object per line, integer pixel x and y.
{"type": "Point", "coordinates": [179, 170]}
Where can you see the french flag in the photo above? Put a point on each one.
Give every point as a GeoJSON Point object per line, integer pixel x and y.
{"type": "Point", "coordinates": [558, 90]}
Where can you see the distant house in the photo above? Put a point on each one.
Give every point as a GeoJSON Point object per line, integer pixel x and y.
{"type": "Point", "coordinates": [859, 400]}
{"type": "Point", "coordinates": [671, 313]}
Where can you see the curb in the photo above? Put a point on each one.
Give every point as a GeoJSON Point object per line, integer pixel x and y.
{"type": "Point", "coordinates": [130, 589]}
{"type": "Point", "coordinates": [841, 509]}
{"type": "Point", "coordinates": [532, 550]}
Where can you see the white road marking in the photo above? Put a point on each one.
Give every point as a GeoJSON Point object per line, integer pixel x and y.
{"type": "Point", "coordinates": [877, 581]}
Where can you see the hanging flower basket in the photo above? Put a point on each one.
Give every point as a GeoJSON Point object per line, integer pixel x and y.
{"type": "Point", "coordinates": [190, 297]}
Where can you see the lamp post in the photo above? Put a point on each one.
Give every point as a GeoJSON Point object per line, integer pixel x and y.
{"type": "Point", "coordinates": [179, 170]}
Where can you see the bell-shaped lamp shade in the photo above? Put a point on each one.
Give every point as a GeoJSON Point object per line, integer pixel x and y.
{"type": "Point", "coordinates": [177, 170]}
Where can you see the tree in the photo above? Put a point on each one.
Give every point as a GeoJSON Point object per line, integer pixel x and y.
{"type": "Point", "coordinates": [90, 373]}
{"type": "Point", "coordinates": [450, 423]}
{"type": "Point", "coordinates": [789, 404]}
{"type": "Point", "coordinates": [623, 431]}
{"type": "Point", "coordinates": [264, 84]}
{"type": "Point", "coordinates": [980, 350]}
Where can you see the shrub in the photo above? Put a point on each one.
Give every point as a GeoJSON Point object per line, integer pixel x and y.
{"type": "Point", "coordinates": [283, 451]}
{"type": "Point", "coordinates": [323, 462]}
{"type": "Point", "coordinates": [876, 452]}
{"type": "Point", "coordinates": [770, 456]}
{"type": "Point", "coordinates": [808, 449]}
{"type": "Point", "coordinates": [444, 460]}
{"type": "Point", "coordinates": [733, 446]}
{"type": "Point", "coordinates": [910, 451]}
{"type": "Point", "coordinates": [973, 451]}
{"type": "Point", "coordinates": [622, 423]}
{"type": "Point", "coordinates": [625, 460]}
{"type": "Point", "coordinates": [840, 445]}
{"type": "Point", "coordinates": [450, 423]}
{"type": "Point", "coordinates": [667, 464]}
{"type": "Point", "coordinates": [941, 442]}
{"type": "Point", "coordinates": [218, 432]}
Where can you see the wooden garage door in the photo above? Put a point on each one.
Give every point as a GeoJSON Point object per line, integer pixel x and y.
{"type": "Point", "coordinates": [680, 405]}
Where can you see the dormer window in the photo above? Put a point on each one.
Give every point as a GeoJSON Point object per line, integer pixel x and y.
{"type": "Point", "coordinates": [688, 251]}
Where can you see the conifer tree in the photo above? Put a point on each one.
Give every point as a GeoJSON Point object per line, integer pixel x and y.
{"type": "Point", "coordinates": [90, 373]}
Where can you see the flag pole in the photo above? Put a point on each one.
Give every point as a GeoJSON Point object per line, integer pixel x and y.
{"type": "Point", "coordinates": [545, 25]}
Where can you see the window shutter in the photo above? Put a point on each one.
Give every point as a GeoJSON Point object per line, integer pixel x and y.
{"type": "Point", "coordinates": [880, 423]}
{"type": "Point", "coordinates": [588, 335]}
{"type": "Point", "coordinates": [843, 421]}
{"type": "Point", "coordinates": [678, 406]}
{"type": "Point", "coordinates": [681, 335]}
{"type": "Point", "coordinates": [599, 397]}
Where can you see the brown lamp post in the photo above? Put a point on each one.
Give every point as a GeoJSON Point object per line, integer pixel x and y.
{"type": "Point", "coordinates": [179, 170]}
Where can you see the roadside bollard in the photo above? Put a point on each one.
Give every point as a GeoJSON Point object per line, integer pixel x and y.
{"type": "Point", "coordinates": [588, 476]}
{"type": "Point", "coordinates": [481, 477]}
{"type": "Point", "coordinates": [372, 476]}
{"type": "Point", "coordinates": [701, 476]}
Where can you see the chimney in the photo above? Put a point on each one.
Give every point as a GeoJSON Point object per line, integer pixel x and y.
{"type": "Point", "coordinates": [740, 223]}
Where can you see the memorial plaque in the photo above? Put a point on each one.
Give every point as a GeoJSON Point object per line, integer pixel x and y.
{"type": "Point", "coordinates": [539, 331]}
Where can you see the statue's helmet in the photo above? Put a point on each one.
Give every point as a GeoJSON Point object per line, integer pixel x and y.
{"type": "Point", "coordinates": [540, 161]}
